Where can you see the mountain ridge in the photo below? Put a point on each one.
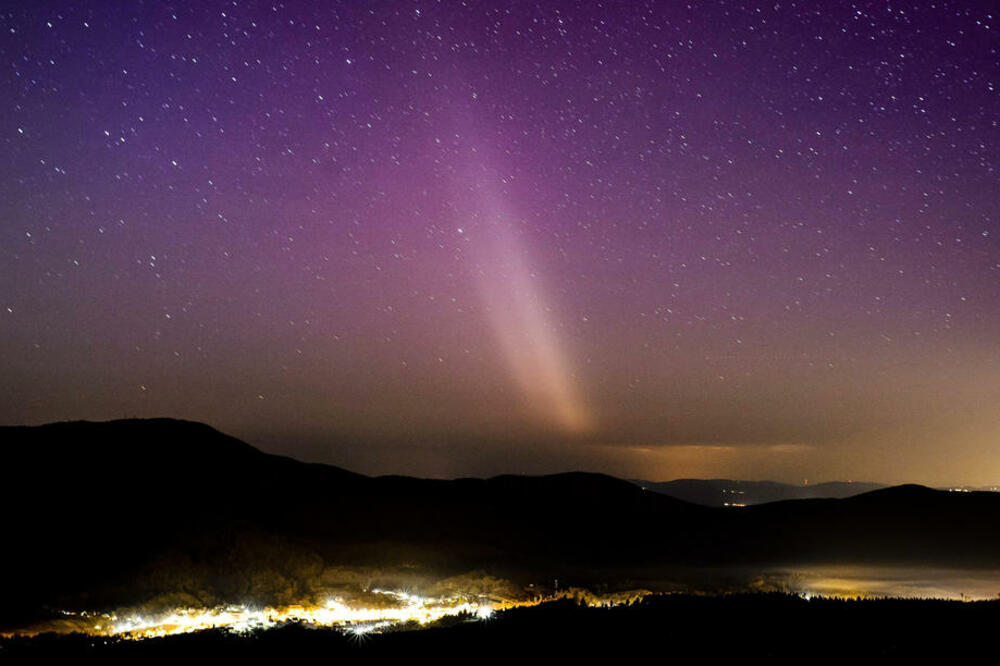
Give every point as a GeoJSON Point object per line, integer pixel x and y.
{"type": "Point", "coordinates": [734, 492]}
{"type": "Point", "coordinates": [102, 509]}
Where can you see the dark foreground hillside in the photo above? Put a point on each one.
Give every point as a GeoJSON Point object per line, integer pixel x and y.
{"type": "Point", "coordinates": [709, 629]}
{"type": "Point", "coordinates": [107, 514]}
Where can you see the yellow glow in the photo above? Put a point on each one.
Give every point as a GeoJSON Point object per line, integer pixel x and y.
{"type": "Point", "coordinates": [400, 608]}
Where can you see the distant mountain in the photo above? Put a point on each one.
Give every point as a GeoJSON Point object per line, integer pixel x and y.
{"type": "Point", "coordinates": [731, 493]}
{"type": "Point", "coordinates": [127, 510]}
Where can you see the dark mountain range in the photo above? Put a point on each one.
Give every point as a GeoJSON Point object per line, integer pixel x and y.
{"type": "Point", "coordinates": [101, 511]}
{"type": "Point", "coordinates": [729, 492]}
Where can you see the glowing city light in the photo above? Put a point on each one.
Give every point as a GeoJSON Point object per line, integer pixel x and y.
{"type": "Point", "coordinates": [394, 609]}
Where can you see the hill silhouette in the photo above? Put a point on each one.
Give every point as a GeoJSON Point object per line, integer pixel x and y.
{"type": "Point", "coordinates": [147, 507]}
{"type": "Point", "coordinates": [730, 492]}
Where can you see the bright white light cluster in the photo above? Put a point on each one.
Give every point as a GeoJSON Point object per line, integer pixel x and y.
{"type": "Point", "coordinates": [401, 608]}
{"type": "Point", "coordinates": [387, 609]}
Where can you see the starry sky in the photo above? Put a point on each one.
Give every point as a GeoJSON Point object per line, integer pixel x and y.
{"type": "Point", "coordinates": [653, 239]}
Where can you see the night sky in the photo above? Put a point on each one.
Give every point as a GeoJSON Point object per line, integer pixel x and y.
{"type": "Point", "coordinates": [658, 240]}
